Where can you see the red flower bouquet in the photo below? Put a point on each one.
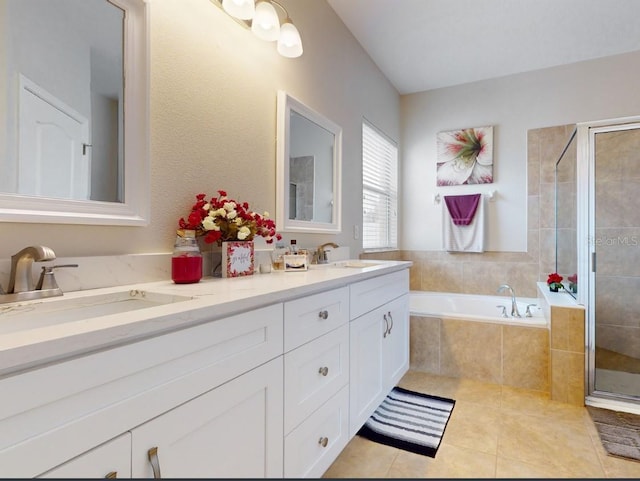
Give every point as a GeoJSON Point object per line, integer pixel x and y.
{"type": "Point", "coordinates": [222, 219]}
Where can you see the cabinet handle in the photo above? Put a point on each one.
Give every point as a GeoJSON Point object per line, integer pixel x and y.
{"type": "Point", "coordinates": [111, 475]}
{"type": "Point", "coordinates": [155, 462]}
{"type": "Point", "coordinates": [323, 370]}
{"type": "Point", "coordinates": [323, 314]}
{"type": "Point", "coordinates": [323, 441]}
{"type": "Point", "coordinates": [386, 325]}
{"type": "Point", "coordinates": [391, 318]}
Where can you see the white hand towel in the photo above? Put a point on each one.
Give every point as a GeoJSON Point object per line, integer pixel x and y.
{"type": "Point", "coordinates": [463, 238]}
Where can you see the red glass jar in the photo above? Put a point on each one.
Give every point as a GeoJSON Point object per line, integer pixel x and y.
{"type": "Point", "coordinates": [186, 262]}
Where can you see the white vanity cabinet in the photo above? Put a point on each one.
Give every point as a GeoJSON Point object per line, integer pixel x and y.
{"type": "Point", "coordinates": [274, 385]}
{"type": "Point", "coordinates": [233, 431]}
{"type": "Point", "coordinates": [316, 378]}
{"type": "Point", "coordinates": [54, 414]}
{"type": "Point", "coordinates": [109, 460]}
{"type": "Point", "coordinates": [379, 342]}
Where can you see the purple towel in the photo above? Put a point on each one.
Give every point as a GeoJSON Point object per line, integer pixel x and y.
{"type": "Point", "coordinates": [462, 208]}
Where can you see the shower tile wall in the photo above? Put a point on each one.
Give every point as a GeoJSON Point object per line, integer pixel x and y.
{"type": "Point", "coordinates": [482, 273]}
{"type": "Point", "coordinates": [618, 242]}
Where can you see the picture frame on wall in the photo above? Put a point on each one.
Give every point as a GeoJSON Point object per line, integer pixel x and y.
{"type": "Point", "coordinates": [465, 156]}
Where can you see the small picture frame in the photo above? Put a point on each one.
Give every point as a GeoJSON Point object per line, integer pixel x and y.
{"type": "Point", "coordinates": [295, 262]}
{"type": "Point", "coordinates": [237, 258]}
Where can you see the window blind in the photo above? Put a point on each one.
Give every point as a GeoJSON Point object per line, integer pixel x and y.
{"type": "Point", "coordinates": [379, 190]}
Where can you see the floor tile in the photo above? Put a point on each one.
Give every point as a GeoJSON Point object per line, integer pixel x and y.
{"type": "Point", "coordinates": [494, 431]}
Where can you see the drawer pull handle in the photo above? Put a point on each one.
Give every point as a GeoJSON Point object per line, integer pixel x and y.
{"type": "Point", "coordinates": [323, 370]}
{"type": "Point", "coordinates": [386, 326]}
{"type": "Point", "coordinates": [111, 475]}
{"type": "Point", "coordinates": [155, 462]}
{"type": "Point", "coordinates": [391, 318]}
{"type": "Point", "coordinates": [323, 314]}
{"type": "Point", "coordinates": [323, 441]}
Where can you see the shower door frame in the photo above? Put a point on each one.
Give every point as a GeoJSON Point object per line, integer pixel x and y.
{"type": "Point", "coordinates": [587, 261]}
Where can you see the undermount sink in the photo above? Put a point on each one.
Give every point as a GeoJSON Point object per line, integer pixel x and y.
{"type": "Point", "coordinates": [354, 263]}
{"type": "Point", "coordinates": [23, 316]}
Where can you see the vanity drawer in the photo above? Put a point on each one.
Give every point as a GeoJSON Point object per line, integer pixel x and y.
{"type": "Point", "coordinates": [310, 449]}
{"type": "Point", "coordinates": [313, 373]}
{"type": "Point", "coordinates": [372, 293]}
{"type": "Point", "coordinates": [312, 316]}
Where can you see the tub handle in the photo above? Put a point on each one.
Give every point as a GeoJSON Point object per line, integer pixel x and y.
{"type": "Point", "coordinates": [504, 310]}
{"type": "Point", "coordinates": [528, 313]}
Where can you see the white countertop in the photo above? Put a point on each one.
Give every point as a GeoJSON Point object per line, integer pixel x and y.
{"type": "Point", "coordinates": [212, 299]}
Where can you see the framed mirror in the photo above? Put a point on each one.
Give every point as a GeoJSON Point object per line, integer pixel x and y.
{"type": "Point", "coordinates": [74, 139]}
{"type": "Point", "coordinates": [309, 156]}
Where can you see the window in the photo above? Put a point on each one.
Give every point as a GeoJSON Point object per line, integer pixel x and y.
{"type": "Point", "coordinates": [379, 190]}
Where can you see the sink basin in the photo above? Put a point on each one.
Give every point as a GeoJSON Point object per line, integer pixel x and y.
{"type": "Point", "coordinates": [24, 316]}
{"type": "Point", "coordinates": [355, 263]}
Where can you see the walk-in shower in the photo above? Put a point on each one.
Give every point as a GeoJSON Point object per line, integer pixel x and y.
{"type": "Point", "coordinates": [608, 242]}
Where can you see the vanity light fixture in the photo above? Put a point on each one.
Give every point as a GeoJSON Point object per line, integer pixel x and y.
{"type": "Point", "coordinates": [242, 9]}
{"type": "Point", "coordinates": [263, 20]}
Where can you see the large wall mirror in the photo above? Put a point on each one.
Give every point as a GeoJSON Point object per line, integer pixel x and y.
{"type": "Point", "coordinates": [73, 136]}
{"type": "Point", "coordinates": [309, 148]}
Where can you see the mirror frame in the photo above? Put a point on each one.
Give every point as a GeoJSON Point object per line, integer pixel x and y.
{"type": "Point", "coordinates": [287, 103]}
{"type": "Point", "coordinates": [135, 210]}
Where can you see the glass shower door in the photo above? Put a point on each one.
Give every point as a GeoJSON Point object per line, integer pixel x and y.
{"type": "Point", "coordinates": [615, 248]}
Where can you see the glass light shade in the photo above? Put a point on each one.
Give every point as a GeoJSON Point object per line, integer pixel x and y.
{"type": "Point", "coordinates": [242, 9]}
{"type": "Point", "coordinates": [265, 23]}
{"type": "Point", "coordinates": [289, 43]}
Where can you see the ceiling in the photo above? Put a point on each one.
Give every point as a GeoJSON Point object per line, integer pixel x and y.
{"type": "Point", "coordinates": [427, 44]}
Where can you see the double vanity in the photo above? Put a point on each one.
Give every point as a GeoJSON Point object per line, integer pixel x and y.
{"type": "Point", "coordinates": [263, 376]}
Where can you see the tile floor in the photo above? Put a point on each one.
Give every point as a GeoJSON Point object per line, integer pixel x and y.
{"type": "Point", "coordinates": [494, 432]}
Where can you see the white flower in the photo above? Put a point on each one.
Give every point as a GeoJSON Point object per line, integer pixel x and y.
{"type": "Point", "coordinates": [229, 206]}
{"type": "Point", "coordinates": [266, 214]}
{"type": "Point", "coordinates": [232, 214]}
{"type": "Point", "coordinates": [243, 233]}
{"type": "Point", "coordinates": [207, 206]}
{"type": "Point", "coordinates": [219, 213]}
{"type": "Point", "coordinates": [209, 223]}
{"type": "Point", "coordinates": [238, 220]}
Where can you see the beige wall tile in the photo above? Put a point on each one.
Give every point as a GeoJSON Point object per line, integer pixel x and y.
{"type": "Point", "coordinates": [567, 377]}
{"type": "Point", "coordinates": [424, 344]}
{"type": "Point", "coordinates": [441, 276]}
{"type": "Point", "coordinates": [568, 329]}
{"type": "Point", "coordinates": [471, 350]}
{"type": "Point", "coordinates": [526, 357]}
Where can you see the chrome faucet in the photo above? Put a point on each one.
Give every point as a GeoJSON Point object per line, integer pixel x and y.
{"type": "Point", "coordinates": [322, 254]}
{"type": "Point", "coordinates": [21, 286]}
{"type": "Point", "coordinates": [21, 279]}
{"type": "Point", "coordinates": [514, 304]}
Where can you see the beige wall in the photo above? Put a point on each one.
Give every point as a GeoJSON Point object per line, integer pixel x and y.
{"type": "Point", "coordinates": [213, 121]}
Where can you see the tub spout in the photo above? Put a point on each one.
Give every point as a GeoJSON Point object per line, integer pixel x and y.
{"type": "Point", "coordinates": [514, 303]}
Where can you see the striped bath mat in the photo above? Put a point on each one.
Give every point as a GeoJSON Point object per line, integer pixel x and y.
{"type": "Point", "coordinates": [409, 420]}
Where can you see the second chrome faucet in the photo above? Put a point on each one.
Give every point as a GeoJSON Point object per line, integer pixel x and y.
{"type": "Point", "coordinates": [514, 303]}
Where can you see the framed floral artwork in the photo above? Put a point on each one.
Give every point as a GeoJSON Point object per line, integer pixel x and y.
{"type": "Point", "coordinates": [465, 156]}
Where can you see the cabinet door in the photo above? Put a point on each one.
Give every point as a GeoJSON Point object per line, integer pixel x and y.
{"type": "Point", "coordinates": [396, 342]}
{"type": "Point", "coordinates": [366, 368]}
{"type": "Point", "coordinates": [233, 431]}
{"type": "Point", "coordinates": [111, 459]}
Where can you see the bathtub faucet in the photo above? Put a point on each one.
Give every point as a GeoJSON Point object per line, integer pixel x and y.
{"type": "Point", "coordinates": [514, 304]}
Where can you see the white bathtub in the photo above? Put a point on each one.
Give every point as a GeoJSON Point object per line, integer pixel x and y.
{"type": "Point", "coordinates": [474, 308]}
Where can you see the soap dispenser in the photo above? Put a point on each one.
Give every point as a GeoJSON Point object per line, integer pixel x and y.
{"type": "Point", "coordinates": [186, 262]}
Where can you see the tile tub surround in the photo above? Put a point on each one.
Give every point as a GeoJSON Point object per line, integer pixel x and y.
{"type": "Point", "coordinates": [550, 360]}
{"type": "Point", "coordinates": [503, 354]}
